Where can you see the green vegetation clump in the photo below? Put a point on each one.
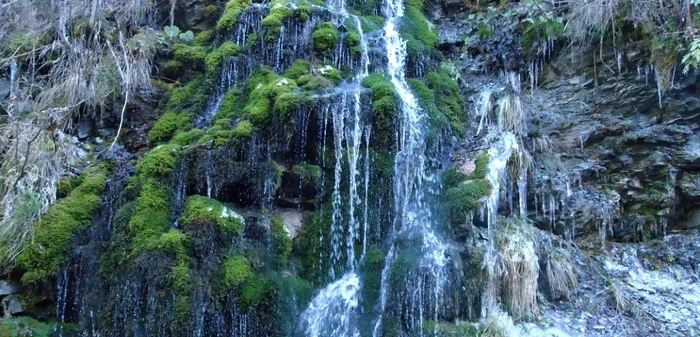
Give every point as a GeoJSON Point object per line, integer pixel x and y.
{"type": "Point", "coordinates": [191, 97]}
{"type": "Point", "coordinates": [321, 78]}
{"type": "Point", "coordinates": [159, 162]}
{"type": "Point", "coordinates": [168, 125]}
{"type": "Point", "coordinates": [384, 106]}
{"type": "Point", "coordinates": [44, 256]}
{"type": "Point", "coordinates": [420, 37]}
{"type": "Point", "coordinates": [231, 104]}
{"type": "Point", "coordinates": [298, 69]}
{"type": "Point", "coordinates": [202, 210]}
{"type": "Point", "coordinates": [25, 326]}
{"type": "Point", "coordinates": [233, 10]}
{"type": "Point", "coordinates": [263, 89]}
{"type": "Point", "coordinates": [281, 240]}
{"type": "Point", "coordinates": [188, 137]}
{"type": "Point", "coordinates": [235, 270]}
{"type": "Point", "coordinates": [325, 38]}
{"type": "Point", "coordinates": [352, 39]}
{"type": "Point", "coordinates": [254, 291]}
{"type": "Point", "coordinates": [272, 23]}
{"type": "Point", "coordinates": [308, 172]}
{"type": "Point", "coordinates": [192, 56]}
{"type": "Point", "coordinates": [465, 192]}
{"type": "Point", "coordinates": [204, 38]}
{"type": "Point", "coordinates": [183, 286]}
{"type": "Point", "coordinates": [215, 60]}
{"type": "Point", "coordinates": [308, 246]}
{"type": "Point", "coordinates": [465, 198]}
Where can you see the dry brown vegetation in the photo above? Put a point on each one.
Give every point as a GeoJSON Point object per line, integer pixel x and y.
{"type": "Point", "coordinates": [64, 59]}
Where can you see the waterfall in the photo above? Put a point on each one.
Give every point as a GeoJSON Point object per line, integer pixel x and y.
{"type": "Point", "coordinates": [413, 216]}
{"type": "Point", "coordinates": [332, 311]}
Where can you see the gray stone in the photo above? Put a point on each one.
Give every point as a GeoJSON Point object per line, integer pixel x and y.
{"type": "Point", "coordinates": [85, 127]}
{"type": "Point", "coordinates": [12, 305]}
{"type": "Point", "coordinates": [7, 288]}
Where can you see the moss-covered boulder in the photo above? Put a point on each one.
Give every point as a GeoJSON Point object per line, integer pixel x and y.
{"type": "Point", "coordinates": [325, 38]}
{"type": "Point", "coordinates": [202, 210]}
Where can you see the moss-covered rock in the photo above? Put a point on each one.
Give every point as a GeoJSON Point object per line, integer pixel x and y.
{"type": "Point", "coordinates": [202, 210]}
{"type": "Point", "coordinates": [204, 38]}
{"type": "Point", "coordinates": [420, 37]}
{"type": "Point", "coordinates": [254, 291]}
{"type": "Point", "coordinates": [281, 240]}
{"type": "Point", "coordinates": [297, 69]}
{"type": "Point", "coordinates": [215, 60]}
{"type": "Point", "coordinates": [190, 56]}
{"type": "Point", "coordinates": [233, 10]}
{"type": "Point", "coordinates": [325, 38]}
{"type": "Point", "coordinates": [188, 137]}
{"type": "Point", "coordinates": [384, 107]}
{"type": "Point", "coordinates": [235, 270]}
{"type": "Point", "coordinates": [44, 256]}
{"type": "Point", "coordinates": [169, 124]}
{"type": "Point", "coordinates": [159, 162]}
{"type": "Point", "coordinates": [466, 197]}
{"type": "Point", "coordinates": [263, 89]}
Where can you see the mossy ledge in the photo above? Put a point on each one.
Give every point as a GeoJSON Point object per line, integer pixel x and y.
{"type": "Point", "coordinates": [43, 257]}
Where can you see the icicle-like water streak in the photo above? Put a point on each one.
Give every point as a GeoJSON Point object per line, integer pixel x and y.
{"type": "Point", "coordinates": [499, 156]}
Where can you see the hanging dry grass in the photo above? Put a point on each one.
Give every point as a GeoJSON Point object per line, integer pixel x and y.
{"type": "Point", "coordinates": [64, 58]}
{"type": "Point", "coordinates": [515, 268]}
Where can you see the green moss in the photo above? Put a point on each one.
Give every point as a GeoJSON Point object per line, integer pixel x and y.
{"type": "Point", "coordinates": [204, 38]}
{"type": "Point", "coordinates": [415, 29]}
{"type": "Point", "coordinates": [183, 286]}
{"type": "Point", "coordinates": [263, 88]}
{"type": "Point", "coordinates": [158, 162]}
{"type": "Point", "coordinates": [172, 241]}
{"type": "Point", "coordinates": [235, 270]}
{"type": "Point", "coordinates": [465, 198]}
{"type": "Point", "coordinates": [243, 129]}
{"type": "Point", "coordinates": [188, 137]}
{"type": "Point", "coordinates": [297, 69]}
{"type": "Point", "coordinates": [325, 38]}
{"type": "Point", "coordinates": [273, 21]}
{"type": "Point", "coordinates": [426, 96]}
{"type": "Point", "coordinates": [372, 23]}
{"type": "Point", "coordinates": [447, 98]}
{"type": "Point", "coordinates": [25, 326]}
{"type": "Point", "coordinates": [233, 10]}
{"type": "Point", "coordinates": [191, 56]}
{"type": "Point", "coordinates": [308, 246]}
{"type": "Point", "coordinates": [288, 102]}
{"type": "Point", "coordinates": [254, 291]}
{"type": "Point", "coordinates": [189, 98]}
{"type": "Point", "coordinates": [452, 178]}
{"type": "Point", "coordinates": [308, 172]}
{"type": "Point", "coordinates": [281, 240]}
{"type": "Point", "coordinates": [68, 184]}
{"type": "Point", "coordinates": [44, 256]}
{"type": "Point", "coordinates": [202, 210]}
{"type": "Point", "coordinates": [352, 40]}
{"type": "Point", "coordinates": [215, 60]}
{"type": "Point", "coordinates": [169, 124]}
{"type": "Point", "coordinates": [384, 106]}
{"type": "Point", "coordinates": [231, 104]}
{"type": "Point", "coordinates": [151, 217]}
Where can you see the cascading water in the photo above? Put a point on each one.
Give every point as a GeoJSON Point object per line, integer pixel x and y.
{"type": "Point", "coordinates": [413, 215]}
{"type": "Point", "coordinates": [332, 311]}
